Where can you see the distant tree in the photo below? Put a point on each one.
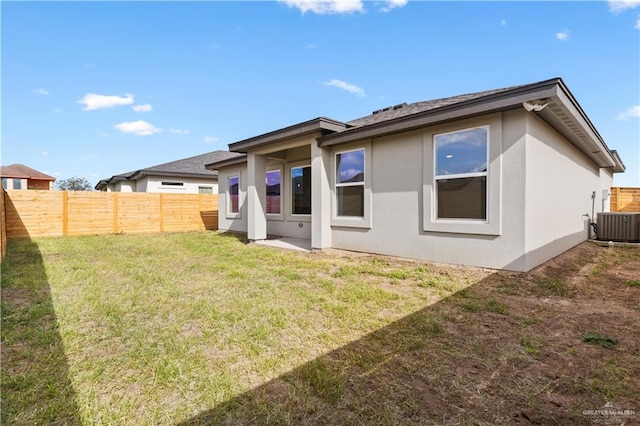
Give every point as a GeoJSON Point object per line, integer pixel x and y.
{"type": "Point", "coordinates": [73, 184]}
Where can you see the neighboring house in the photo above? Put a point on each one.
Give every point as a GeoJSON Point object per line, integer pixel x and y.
{"type": "Point", "coordinates": [501, 179]}
{"type": "Point", "coordinates": [186, 176]}
{"type": "Point", "coordinates": [19, 176]}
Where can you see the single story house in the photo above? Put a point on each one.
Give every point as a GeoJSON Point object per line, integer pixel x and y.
{"type": "Point", "coordinates": [19, 176]}
{"type": "Point", "coordinates": [503, 179]}
{"type": "Point", "coordinates": [185, 176]}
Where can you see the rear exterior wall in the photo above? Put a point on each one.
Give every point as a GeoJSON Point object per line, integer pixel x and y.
{"type": "Point", "coordinates": [560, 183]}
{"type": "Point", "coordinates": [397, 228]}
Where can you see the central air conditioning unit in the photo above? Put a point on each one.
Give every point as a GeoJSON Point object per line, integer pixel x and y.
{"type": "Point", "coordinates": [624, 227]}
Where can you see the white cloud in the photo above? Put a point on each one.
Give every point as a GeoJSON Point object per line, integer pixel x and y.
{"type": "Point", "coordinates": [40, 91]}
{"type": "Point", "coordinates": [349, 173]}
{"type": "Point", "coordinates": [178, 131]}
{"type": "Point", "coordinates": [139, 128]}
{"type": "Point", "coordinates": [351, 88]}
{"type": "Point", "coordinates": [322, 7]}
{"type": "Point", "coordinates": [211, 139]}
{"type": "Point", "coordinates": [632, 112]}
{"type": "Point", "coordinates": [563, 35]}
{"type": "Point", "coordinates": [617, 6]}
{"type": "Point", "coordinates": [311, 46]}
{"type": "Point", "coordinates": [142, 108]}
{"type": "Point", "coordinates": [392, 4]}
{"type": "Point", "coordinates": [503, 22]}
{"type": "Point", "coordinates": [637, 25]}
{"type": "Point", "coordinates": [45, 153]}
{"type": "Point", "coordinates": [104, 134]}
{"type": "Point", "coordinates": [91, 101]}
{"type": "Point", "coordinates": [56, 110]}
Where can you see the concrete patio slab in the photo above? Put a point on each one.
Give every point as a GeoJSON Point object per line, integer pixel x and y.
{"type": "Point", "coordinates": [286, 243]}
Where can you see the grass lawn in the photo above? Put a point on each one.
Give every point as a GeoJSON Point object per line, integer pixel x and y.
{"type": "Point", "coordinates": [200, 328]}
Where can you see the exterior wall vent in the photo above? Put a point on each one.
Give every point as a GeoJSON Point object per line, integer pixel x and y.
{"type": "Point", "coordinates": [624, 227]}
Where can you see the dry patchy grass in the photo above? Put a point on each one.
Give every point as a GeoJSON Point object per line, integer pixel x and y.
{"type": "Point", "coordinates": [200, 328]}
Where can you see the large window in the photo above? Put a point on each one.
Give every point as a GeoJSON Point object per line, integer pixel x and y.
{"type": "Point", "coordinates": [274, 182]}
{"type": "Point", "coordinates": [461, 174]}
{"type": "Point", "coordinates": [234, 192]}
{"type": "Point", "coordinates": [301, 190]}
{"type": "Point", "coordinates": [17, 183]}
{"type": "Point", "coordinates": [205, 190]}
{"type": "Point", "coordinates": [4, 183]}
{"type": "Point", "coordinates": [350, 183]}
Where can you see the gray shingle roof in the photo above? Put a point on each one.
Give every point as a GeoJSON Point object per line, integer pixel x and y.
{"type": "Point", "coordinates": [191, 166]}
{"type": "Point", "coordinates": [403, 110]}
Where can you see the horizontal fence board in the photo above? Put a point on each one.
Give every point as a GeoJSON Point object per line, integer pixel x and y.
{"type": "Point", "coordinates": [36, 213]}
{"type": "Point", "coordinates": [625, 199]}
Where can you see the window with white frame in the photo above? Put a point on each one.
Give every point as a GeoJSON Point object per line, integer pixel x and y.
{"type": "Point", "coordinates": [301, 190]}
{"type": "Point", "coordinates": [233, 203]}
{"type": "Point", "coordinates": [273, 180]}
{"type": "Point", "coordinates": [205, 190]}
{"type": "Point", "coordinates": [349, 183]}
{"type": "Point", "coordinates": [461, 174]}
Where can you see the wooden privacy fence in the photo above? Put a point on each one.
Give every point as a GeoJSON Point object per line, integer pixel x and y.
{"type": "Point", "coordinates": [55, 213]}
{"type": "Point", "coordinates": [625, 199]}
{"type": "Point", "coordinates": [3, 231]}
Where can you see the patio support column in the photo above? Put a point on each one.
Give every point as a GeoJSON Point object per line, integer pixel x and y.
{"type": "Point", "coordinates": [256, 197]}
{"type": "Point", "coordinates": [320, 197]}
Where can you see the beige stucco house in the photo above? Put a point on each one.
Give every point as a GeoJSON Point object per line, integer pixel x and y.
{"type": "Point", "coordinates": [501, 179]}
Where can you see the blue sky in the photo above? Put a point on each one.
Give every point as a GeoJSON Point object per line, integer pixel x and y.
{"type": "Point", "coordinates": [94, 89]}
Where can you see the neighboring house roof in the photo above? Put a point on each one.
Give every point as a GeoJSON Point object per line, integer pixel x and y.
{"type": "Point", "coordinates": [551, 100]}
{"type": "Point", "coordinates": [191, 167]}
{"type": "Point", "coordinates": [23, 172]}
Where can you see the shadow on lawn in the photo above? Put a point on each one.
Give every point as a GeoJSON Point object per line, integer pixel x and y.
{"type": "Point", "coordinates": [36, 388]}
{"type": "Point", "coordinates": [462, 360]}
{"type": "Point", "coordinates": [389, 376]}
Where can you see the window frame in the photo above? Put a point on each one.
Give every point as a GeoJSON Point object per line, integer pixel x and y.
{"type": "Point", "coordinates": [205, 187]}
{"type": "Point", "coordinates": [228, 213]}
{"type": "Point", "coordinates": [455, 176]}
{"type": "Point", "coordinates": [283, 187]}
{"type": "Point", "coordinates": [17, 181]}
{"type": "Point", "coordinates": [364, 221]}
{"type": "Point", "coordinates": [300, 217]}
{"type": "Point", "coordinates": [492, 225]}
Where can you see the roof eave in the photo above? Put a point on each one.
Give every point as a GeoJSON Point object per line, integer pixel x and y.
{"type": "Point", "coordinates": [563, 113]}
{"type": "Point", "coordinates": [321, 124]}
{"type": "Point", "coordinates": [467, 109]}
{"type": "Point", "coordinates": [566, 116]}
{"type": "Point", "coordinates": [619, 167]}
{"type": "Point", "coordinates": [228, 162]}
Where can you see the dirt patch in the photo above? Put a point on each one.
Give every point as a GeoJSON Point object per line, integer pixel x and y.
{"type": "Point", "coordinates": [509, 349]}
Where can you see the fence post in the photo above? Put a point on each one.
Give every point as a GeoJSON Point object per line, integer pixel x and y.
{"type": "Point", "coordinates": [114, 195]}
{"type": "Point", "coordinates": [3, 231]}
{"type": "Point", "coordinates": [65, 213]}
{"type": "Point", "coordinates": [161, 199]}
